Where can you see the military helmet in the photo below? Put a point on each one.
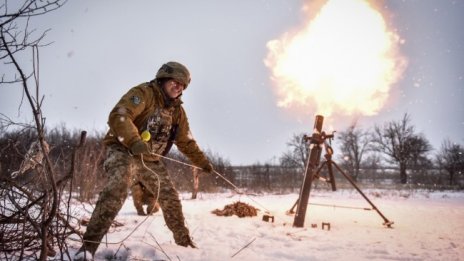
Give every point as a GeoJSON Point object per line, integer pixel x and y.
{"type": "Point", "coordinates": [175, 71]}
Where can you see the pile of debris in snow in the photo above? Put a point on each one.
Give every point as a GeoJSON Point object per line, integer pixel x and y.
{"type": "Point", "coordinates": [238, 208]}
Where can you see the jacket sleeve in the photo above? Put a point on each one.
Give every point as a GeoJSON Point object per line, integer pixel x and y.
{"type": "Point", "coordinates": [121, 119]}
{"type": "Point", "coordinates": [187, 144]}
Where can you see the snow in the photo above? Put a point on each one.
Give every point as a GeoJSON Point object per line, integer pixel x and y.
{"type": "Point", "coordinates": [427, 226]}
{"type": "Point", "coordinates": [83, 255]}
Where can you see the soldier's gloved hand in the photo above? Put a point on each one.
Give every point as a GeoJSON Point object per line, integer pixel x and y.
{"type": "Point", "coordinates": [139, 147]}
{"type": "Point", "coordinates": [208, 168]}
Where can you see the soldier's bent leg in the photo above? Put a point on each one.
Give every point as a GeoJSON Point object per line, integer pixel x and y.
{"type": "Point", "coordinates": [118, 165]}
{"type": "Point", "coordinates": [150, 200]}
{"type": "Point", "coordinates": [170, 203]}
{"type": "Point", "coordinates": [152, 206]}
{"type": "Point", "coordinates": [138, 196]}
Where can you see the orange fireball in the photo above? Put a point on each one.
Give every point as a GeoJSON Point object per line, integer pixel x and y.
{"type": "Point", "coordinates": [344, 60]}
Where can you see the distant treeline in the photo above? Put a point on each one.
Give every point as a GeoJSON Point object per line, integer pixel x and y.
{"type": "Point", "coordinates": [90, 176]}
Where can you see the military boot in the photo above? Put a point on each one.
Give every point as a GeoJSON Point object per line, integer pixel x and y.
{"type": "Point", "coordinates": [184, 241]}
{"type": "Point", "coordinates": [137, 196]}
{"type": "Point", "coordinates": [140, 211]}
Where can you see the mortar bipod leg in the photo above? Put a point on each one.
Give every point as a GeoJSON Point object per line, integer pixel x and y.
{"type": "Point", "coordinates": [387, 222]}
{"type": "Point", "coordinates": [292, 210]}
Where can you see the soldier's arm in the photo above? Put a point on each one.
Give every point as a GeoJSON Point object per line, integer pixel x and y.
{"type": "Point", "coordinates": [121, 119]}
{"type": "Point", "coordinates": [187, 144]}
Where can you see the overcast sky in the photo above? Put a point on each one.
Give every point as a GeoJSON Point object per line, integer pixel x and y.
{"type": "Point", "coordinates": [102, 48]}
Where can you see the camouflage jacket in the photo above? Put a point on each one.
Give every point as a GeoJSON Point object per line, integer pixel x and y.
{"type": "Point", "coordinates": [145, 107]}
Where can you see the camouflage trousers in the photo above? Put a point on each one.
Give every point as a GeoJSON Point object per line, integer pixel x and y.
{"type": "Point", "coordinates": [124, 169]}
{"type": "Point", "coordinates": [142, 195]}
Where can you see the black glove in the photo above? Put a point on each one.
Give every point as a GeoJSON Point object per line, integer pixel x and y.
{"type": "Point", "coordinates": [208, 168]}
{"type": "Point", "coordinates": [139, 147]}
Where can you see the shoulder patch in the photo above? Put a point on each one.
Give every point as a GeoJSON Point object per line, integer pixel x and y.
{"type": "Point", "coordinates": [135, 100]}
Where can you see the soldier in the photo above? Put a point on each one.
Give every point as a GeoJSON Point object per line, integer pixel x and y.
{"type": "Point", "coordinates": [141, 196]}
{"type": "Point", "coordinates": [152, 110]}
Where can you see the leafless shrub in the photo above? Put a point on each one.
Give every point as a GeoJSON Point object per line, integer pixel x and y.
{"type": "Point", "coordinates": [184, 179]}
{"type": "Point", "coordinates": [26, 205]}
{"type": "Point", "coordinates": [90, 175]}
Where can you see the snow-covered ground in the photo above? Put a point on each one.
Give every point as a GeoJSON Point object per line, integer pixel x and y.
{"type": "Point", "coordinates": [428, 226]}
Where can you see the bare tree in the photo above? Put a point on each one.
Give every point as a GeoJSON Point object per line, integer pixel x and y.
{"type": "Point", "coordinates": [37, 208]}
{"type": "Point", "coordinates": [298, 153]}
{"type": "Point", "coordinates": [451, 158]}
{"type": "Point", "coordinates": [354, 144]}
{"type": "Point", "coordinates": [399, 142]}
{"type": "Point", "coordinates": [419, 146]}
